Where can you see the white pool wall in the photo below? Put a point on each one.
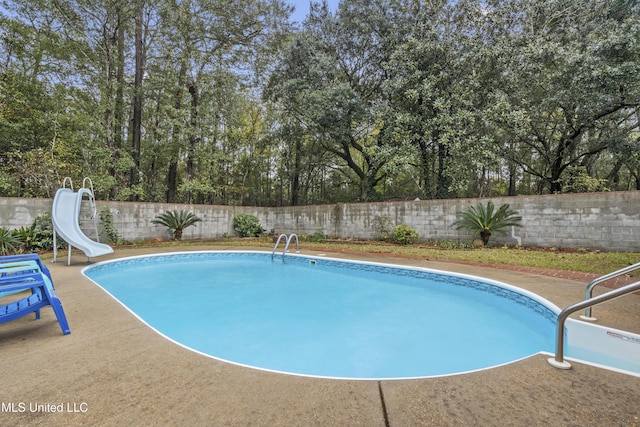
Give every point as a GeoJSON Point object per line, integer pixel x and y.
{"type": "Point", "coordinates": [603, 345]}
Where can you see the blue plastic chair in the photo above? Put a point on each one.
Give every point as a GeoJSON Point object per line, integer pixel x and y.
{"type": "Point", "coordinates": [26, 257]}
{"type": "Point", "coordinates": [26, 272]}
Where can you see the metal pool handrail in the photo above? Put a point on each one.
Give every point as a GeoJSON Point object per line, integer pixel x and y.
{"type": "Point", "coordinates": [558, 361]}
{"type": "Point", "coordinates": [291, 236]}
{"type": "Point", "coordinates": [286, 246]}
{"type": "Point", "coordinates": [280, 237]}
{"type": "Point", "coordinates": [594, 283]}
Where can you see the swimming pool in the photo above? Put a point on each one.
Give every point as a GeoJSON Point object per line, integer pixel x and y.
{"type": "Point", "coordinates": [325, 317]}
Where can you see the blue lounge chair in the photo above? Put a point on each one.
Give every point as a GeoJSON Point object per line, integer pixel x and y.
{"type": "Point", "coordinates": [26, 272]}
{"type": "Point", "coordinates": [26, 257]}
{"type": "Point", "coordinates": [23, 257]}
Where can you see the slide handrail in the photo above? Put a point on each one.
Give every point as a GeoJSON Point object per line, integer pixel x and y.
{"type": "Point", "coordinates": [64, 182]}
{"type": "Point", "coordinates": [92, 197]}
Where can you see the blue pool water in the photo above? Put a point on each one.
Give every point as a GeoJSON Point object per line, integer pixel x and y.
{"type": "Point", "coordinates": [329, 318]}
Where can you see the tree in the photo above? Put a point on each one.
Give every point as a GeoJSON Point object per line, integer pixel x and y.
{"type": "Point", "coordinates": [203, 36]}
{"type": "Point", "coordinates": [568, 72]}
{"type": "Point", "coordinates": [330, 77]}
{"type": "Point", "coordinates": [196, 101]}
{"type": "Point", "coordinates": [435, 95]}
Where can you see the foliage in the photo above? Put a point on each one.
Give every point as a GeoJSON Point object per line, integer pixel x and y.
{"type": "Point", "coordinates": [106, 221]}
{"type": "Point", "coordinates": [247, 225]}
{"type": "Point", "coordinates": [9, 243]}
{"type": "Point", "coordinates": [578, 181]}
{"type": "Point", "coordinates": [404, 235]}
{"type": "Point", "coordinates": [382, 224]}
{"type": "Point", "coordinates": [38, 236]}
{"type": "Point", "coordinates": [44, 230]}
{"type": "Point", "coordinates": [29, 239]}
{"type": "Point", "coordinates": [318, 235]}
{"type": "Point", "coordinates": [447, 244]}
{"type": "Point", "coordinates": [484, 222]}
{"type": "Point", "coordinates": [176, 221]}
{"type": "Point", "coordinates": [377, 100]}
{"type": "Point", "coordinates": [567, 86]}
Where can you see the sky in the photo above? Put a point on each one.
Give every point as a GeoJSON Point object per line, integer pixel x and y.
{"type": "Point", "coordinates": [302, 8]}
{"type": "Point", "coordinates": [299, 15]}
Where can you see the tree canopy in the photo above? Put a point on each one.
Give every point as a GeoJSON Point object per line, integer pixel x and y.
{"type": "Point", "coordinates": [227, 102]}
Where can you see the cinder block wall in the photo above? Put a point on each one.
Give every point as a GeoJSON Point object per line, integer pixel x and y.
{"type": "Point", "coordinates": [607, 221]}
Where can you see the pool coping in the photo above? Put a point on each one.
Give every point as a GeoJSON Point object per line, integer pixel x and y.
{"type": "Point", "coordinates": [112, 369]}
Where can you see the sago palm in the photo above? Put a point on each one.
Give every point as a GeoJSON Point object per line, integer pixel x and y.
{"type": "Point", "coordinates": [484, 222]}
{"type": "Point", "coordinates": [176, 221]}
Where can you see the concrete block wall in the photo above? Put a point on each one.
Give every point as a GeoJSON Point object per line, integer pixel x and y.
{"type": "Point", "coordinates": [608, 221]}
{"type": "Point", "coordinates": [18, 212]}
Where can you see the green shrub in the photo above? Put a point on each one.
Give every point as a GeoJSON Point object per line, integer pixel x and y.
{"type": "Point", "coordinates": [404, 235]}
{"type": "Point", "coordinates": [247, 225]}
{"type": "Point", "coordinates": [9, 243]}
{"type": "Point", "coordinates": [106, 220]}
{"type": "Point", "coordinates": [176, 221]}
{"type": "Point", "coordinates": [382, 224]}
{"type": "Point", "coordinates": [29, 239]}
{"type": "Point", "coordinates": [38, 236]}
{"type": "Point", "coordinates": [44, 227]}
{"type": "Point", "coordinates": [318, 235]}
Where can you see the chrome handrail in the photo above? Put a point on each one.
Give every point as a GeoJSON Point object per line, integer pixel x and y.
{"type": "Point", "coordinates": [92, 203]}
{"type": "Point", "coordinates": [286, 246]}
{"type": "Point", "coordinates": [92, 198]}
{"type": "Point", "coordinates": [64, 182]}
{"type": "Point", "coordinates": [277, 243]}
{"type": "Point", "coordinates": [558, 361]}
{"type": "Point", "coordinates": [594, 283]}
{"type": "Point", "coordinates": [291, 236]}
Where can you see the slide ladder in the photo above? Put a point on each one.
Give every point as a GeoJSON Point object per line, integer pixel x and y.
{"type": "Point", "coordinates": [65, 215]}
{"type": "Point", "coordinates": [286, 246]}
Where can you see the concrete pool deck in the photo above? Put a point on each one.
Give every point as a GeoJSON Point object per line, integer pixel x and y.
{"type": "Point", "coordinates": [113, 370]}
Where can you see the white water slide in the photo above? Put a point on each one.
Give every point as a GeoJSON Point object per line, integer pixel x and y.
{"type": "Point", "coordinates": [65, 215]}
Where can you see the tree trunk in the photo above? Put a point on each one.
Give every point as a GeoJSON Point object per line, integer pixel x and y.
{"type": "Point", "coordinates": [425, 170]}
{"type": "Point", "coordinates": [484, 235]}
{"type": "Point", "coordinates": [555, 185]}
{"type": "Point", "coordinates": [172, 175]}
{"type": "Point", "coordinates": [119, 108]}
{"type": "Point", "coordinates": [136, 122]}
{"type": "Point", "coordinates": [512, 179]}
{"type": "Point", "coordinates": [442, 192]}
{"type": "Point", "coordinates": [295, 184]}
{"type": "Point", "coordinates": [172, 182]}
{"type": "Point", "coordinates": [193, 139]}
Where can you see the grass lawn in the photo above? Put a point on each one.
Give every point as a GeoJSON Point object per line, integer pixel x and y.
{"type": "Point", "coordinates": [549, 258]}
